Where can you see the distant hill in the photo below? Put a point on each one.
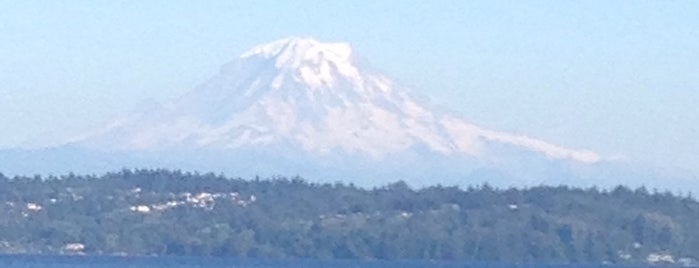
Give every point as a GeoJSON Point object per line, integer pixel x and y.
{"type": "Point", "coordinates": [161, 212]}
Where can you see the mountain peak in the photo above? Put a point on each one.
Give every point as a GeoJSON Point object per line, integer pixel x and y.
{"type": "Point", "coordinates": [317, 63]}
{"type": "Point", "coordinates": [304, 47]}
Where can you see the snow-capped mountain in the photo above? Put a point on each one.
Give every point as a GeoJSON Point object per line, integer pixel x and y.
{"type": "Point", "coordinates": [310, 97]}
{"type": "Point", "coordinates": [298, 106]}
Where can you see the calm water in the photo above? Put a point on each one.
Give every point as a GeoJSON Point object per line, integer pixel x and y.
{"type": "Point", "coordinates": [148, 262]}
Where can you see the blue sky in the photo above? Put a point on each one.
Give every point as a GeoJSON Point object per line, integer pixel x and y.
{"type": "Point", "coordinates": [617, 77]}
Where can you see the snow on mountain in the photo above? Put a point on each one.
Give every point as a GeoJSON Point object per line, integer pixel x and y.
{"type": "Point", "coordinates": [306, 94]}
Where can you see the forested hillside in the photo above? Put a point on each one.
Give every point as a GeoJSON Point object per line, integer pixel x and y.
{"type": "Point", "coordinates": [161, 212]}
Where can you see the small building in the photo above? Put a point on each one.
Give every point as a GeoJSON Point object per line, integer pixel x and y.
{"type": "Point", "coordinates": [140, 209]}
{"type": "Point", "coordinates": [74, 247]}
{"type": "Point", "coordinates": [658, 258]}
{"type": "Point", "coordinates": [34, 207]}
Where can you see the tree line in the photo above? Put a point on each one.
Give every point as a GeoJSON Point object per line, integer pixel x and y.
{"type": "Point", "coordinates": [165, 212]}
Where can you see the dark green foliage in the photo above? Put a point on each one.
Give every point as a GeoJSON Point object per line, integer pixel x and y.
{"type": "Point", "coordinates": [292, 218]}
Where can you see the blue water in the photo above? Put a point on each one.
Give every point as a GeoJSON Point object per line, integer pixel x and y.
{"type": "Point", "coordinates": [184, 262]}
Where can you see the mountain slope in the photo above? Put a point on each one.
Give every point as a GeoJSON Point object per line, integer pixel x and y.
{"type": "Point", "coordinates": [302, 94]}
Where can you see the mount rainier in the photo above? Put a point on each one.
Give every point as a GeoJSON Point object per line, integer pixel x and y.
{"type": "Point", "coordinates": [301, 92]}
{"type": "Point", "coordinates": [298, 106]}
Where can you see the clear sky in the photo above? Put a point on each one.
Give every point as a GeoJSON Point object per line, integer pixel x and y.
{"type": "Point", "coordinates": [617, 77]}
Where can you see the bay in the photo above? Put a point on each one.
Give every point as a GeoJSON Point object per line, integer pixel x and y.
{"type": "Point", "coordinates": [196, 262]}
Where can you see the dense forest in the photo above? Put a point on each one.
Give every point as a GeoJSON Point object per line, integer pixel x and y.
{"type": "Point", "coordinates": [161, 212]}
